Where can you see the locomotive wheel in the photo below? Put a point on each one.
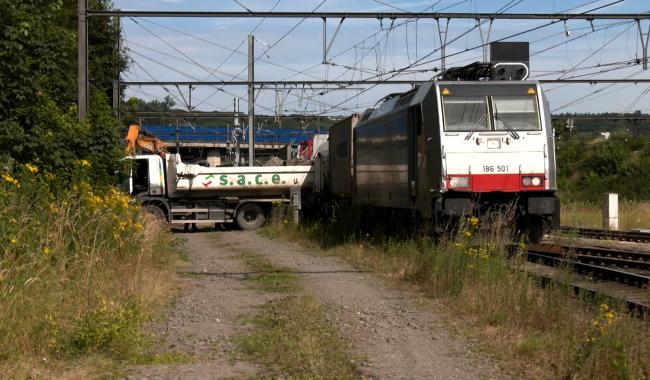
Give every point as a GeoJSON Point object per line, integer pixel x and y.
{"type": "Point", "coordinates": [536, 229]}
{"type": "Point", "coordinates": [250, 216]}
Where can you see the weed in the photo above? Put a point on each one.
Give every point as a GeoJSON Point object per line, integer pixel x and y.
{"type": "Point", "coordinates": [267, 276]}
{"type": "Point", "coordinates": [632, 214]}
{"type": "Point", "coordinates": [293, 339]}
{"type": "Point", "coordinates": [291, 336]}
{"type": "Point", "coordinates": [81, 269]}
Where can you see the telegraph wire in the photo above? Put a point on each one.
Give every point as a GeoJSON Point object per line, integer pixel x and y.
{"type": "Point", "coordinates": [597, 50]}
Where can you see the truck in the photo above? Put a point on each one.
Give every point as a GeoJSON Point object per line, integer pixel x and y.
{"type": "Point", "coordinates": [186, 194]}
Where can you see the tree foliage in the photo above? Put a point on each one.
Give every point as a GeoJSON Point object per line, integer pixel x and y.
{"type": "Point", "coordinates": [38, 86]}
{"type": "Point", "coordinates": [587, 167]}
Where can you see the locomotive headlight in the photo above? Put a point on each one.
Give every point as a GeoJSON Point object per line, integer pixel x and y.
{"type": "Point", "coordinates": [531, 181]}
{"type": "Point", "coordinates": [459, 182]}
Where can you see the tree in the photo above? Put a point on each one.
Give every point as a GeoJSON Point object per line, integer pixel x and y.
{"type": "Point", "coordinates": [38, 86]}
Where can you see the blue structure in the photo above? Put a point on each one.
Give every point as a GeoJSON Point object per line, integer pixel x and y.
{"type": "Point", "coordinates": [199, 133]}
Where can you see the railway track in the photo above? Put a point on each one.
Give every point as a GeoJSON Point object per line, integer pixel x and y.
{"type": "Point", "coordinates": [616, 273]}
{"type": "Point", "coordinates": [593, 233]}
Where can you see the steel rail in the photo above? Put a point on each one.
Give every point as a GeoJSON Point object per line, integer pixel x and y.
{"type": "Point", "coordinates": [605, 273]}
{"type": "Point", "coordinates": [596, 255]}
{"type": "Point", "coordinates": [632, 236]}
{"type": "Point", "coordinates": [375, 15]}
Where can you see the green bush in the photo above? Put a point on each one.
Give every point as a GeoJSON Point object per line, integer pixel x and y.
{"type": "Point", "coordinates": [588, 168]}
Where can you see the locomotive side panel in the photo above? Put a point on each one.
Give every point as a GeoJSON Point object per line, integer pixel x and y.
{"type": "Point", "coordinates": [429, 164]}
{"type": "Point", "coordinates": [341, 158]}
{"type": "Point", "coordinates": [382, 161]}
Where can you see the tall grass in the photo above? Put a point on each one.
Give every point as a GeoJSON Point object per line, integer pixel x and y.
{"type": "Point", "coordinates": [632, 214]}
{"type": "Point", "coordinates": [541, 331]}
{"type": "Point", "coordinates": [80, 271]}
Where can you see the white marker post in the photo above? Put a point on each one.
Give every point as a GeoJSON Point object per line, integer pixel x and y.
{"type": "Point", "coordinates": [296, 203]}
{"type": "Point", "coordinates": [610, 212]}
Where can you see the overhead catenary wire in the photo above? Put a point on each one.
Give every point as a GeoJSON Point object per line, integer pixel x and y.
{"type": "Point", "coordinates": [481, 45]}
{"type": "Point", "coordinates": [271, 46]}
{"type": "Point", "coordinates": [416, 64]}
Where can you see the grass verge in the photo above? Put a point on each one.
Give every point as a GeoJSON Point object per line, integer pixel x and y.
{"type": "Point", "coordinates": [540, 332]}
{"type": "Point", "coordinates": [81, 271]}
{"type": "Point", "coordinates": [632, 214]}
{"type": "Point", "coordinates": [291, 336]}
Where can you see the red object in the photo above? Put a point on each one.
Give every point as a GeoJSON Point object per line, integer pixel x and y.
{"type": "Point", "coordinates": [305, 149]}
{"type": "Point", "coordinates": [484, 183]}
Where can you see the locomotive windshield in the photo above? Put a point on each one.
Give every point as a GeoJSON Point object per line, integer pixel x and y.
{"type": "Point", "coordinates": [466, 113]}
{"type": "Point", "coordinates": [515, 113]}
{"type": "Point", "coordinates": [471, 108]}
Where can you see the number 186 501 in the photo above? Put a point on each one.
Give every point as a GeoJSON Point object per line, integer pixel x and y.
{"type": "Point", "coordinates": [495, 168]}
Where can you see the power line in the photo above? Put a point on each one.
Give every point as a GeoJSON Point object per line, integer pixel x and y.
{"type": "Point", "coordinates": [375, 15]}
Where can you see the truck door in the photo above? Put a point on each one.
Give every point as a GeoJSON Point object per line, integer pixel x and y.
{"type": "Point", "coordinates": [140, 177]}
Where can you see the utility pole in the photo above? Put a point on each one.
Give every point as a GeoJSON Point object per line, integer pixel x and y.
{"type": "Point", "coordinates": [635, 124]}
{"type": "Point", "coordinates": [116, 82]}
{"type": "Point", "coordinates": [251, 101]}
{"type": "Point", "coordinates": [82, 58]}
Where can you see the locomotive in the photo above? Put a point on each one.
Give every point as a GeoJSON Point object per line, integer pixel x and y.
{"type": "Point", "coordinates": [462, 145]}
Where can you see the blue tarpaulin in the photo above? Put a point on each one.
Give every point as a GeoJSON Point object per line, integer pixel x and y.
{"type": "Point", "coordinates": [199, 133]}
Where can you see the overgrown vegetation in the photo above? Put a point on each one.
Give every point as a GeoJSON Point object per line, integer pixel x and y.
{"type": "Point", "coordinates": [632, 214]}
{"type": "Point", "coordinates": [38, 87]}
{"type": "Point", "coordinates": [80, 271]}
{"type": "Point", "coordinates": [543, 332]}
{"type": "Point", "coordinates": [589, 167]}
{"type": "Point", "coordinates": [291, 335]}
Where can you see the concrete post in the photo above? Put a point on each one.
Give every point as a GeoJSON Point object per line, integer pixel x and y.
{"type": "Point", "coordinates": [296, 203]}
{"type": "Point", "coordinates": [610, 212]}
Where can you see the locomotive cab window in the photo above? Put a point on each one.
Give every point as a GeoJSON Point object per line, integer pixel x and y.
{"type": "Point", "coordinates": [515, 113]}
{"type": "Point", "coordinates": [465, 113]}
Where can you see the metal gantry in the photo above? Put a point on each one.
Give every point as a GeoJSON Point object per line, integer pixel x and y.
{"type": "Point", "coordinates": [84, 13]}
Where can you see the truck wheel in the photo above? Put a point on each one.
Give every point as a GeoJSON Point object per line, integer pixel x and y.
{"type": "Point", "coordinates": [250, 216]}
{"type": "Point", "coordinates": [155, 211]}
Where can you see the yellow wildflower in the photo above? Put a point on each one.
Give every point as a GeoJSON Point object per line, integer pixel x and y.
{"type": "Point", "coordinates": [468, 234]}
{"type": "Point", "coordinates": [95, 200]}
{"type": "Point", "coordinates": [32, 168]}
{"type": "Point", "coordinates": [13, 241]}
{"type": "Point", "coordinates": [46, 250]}
{"type": "Point", "coordinates": [473, 221]}
{"type": "Point", "coordinates": [137, 227]}
{"type": "Point", "coordinates": [84, 163]}
{"type": "Point", "coordinates": [11, 180]}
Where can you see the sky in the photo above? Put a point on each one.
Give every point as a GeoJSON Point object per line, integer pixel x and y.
{"type": "Point", "coordinates": [215, 49]}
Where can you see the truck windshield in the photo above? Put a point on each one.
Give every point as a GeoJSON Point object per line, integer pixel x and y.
{"type": "Point", "coordinates": [465, 113]}
{"type": "Point", "coordinates": [516, 113]}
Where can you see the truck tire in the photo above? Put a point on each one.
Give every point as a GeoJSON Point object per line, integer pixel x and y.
{"type": "Point", "coordinates": [250, 216]}
{"type": "Point", "coordinates": [156, 211]}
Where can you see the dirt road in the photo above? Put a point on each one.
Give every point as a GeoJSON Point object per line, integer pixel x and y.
{"type": "Point", "coordinates": [396, 335]}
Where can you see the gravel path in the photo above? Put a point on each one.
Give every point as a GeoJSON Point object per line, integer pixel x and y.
{"type": "Point", "coordinates": [207, 313]}
{"type": "Point", "coordinates": [397, 337]}
{"type": "Point", "coordinates": [394, 334]}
